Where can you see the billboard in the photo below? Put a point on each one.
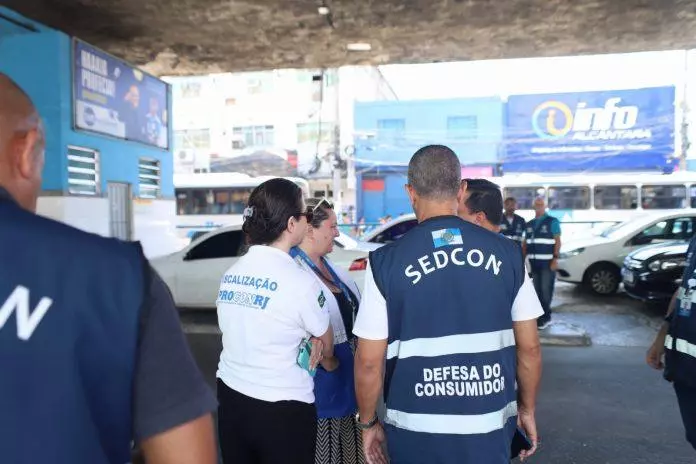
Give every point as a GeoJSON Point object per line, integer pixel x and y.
{"type": "Point", "coordinates": [113, 98]}
{"type": "Point", "coordinates": [590, 131]}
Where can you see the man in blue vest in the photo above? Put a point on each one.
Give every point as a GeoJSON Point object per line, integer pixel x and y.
{"type": "Point", "coordinates": [678, 337]}
{"type": "Point", "coordinates": [449, 307]}
{"type": "Point", "coordinates": [512, 225]}
{"type": "Point", "coordinates": [92, 356]}
{"type": "Point", "coordinates": [541, 246]}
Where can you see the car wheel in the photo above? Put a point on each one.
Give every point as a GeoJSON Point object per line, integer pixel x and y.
{"type": "Point", "coordinates": [603, 279]}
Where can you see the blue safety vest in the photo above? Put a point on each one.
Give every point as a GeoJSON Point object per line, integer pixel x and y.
{"type": "Point", "coordinates": [451, 360]}
{"type": "Point", "coordinates": [540, 242]}
{"type": "Point", "coordinates": [680, 344]}
{"type": "Point", "coordinates": [514, 231]}
{"type": "Point", "coordinates": [69, 316]}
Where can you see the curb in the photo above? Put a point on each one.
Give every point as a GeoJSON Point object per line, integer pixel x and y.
{"type": "Point", "coordinates": [564, 334]}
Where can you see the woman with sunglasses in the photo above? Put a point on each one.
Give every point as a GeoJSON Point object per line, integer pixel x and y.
{"type": "Point", "coordinates": [267, 306]}
{"type": "Point", "coordinates": [338, 439]}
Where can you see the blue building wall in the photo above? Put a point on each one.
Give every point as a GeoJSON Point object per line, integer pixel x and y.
{"type": "Point", "coordinates": [389, 132]}
{"type": "Point", "coordinates": [41, 63]}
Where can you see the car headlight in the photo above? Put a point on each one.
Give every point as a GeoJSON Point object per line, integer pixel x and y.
{"type": "Point", "coordinates": [570, 253]}
{"type": "Point", "coordinates": [666, 264]}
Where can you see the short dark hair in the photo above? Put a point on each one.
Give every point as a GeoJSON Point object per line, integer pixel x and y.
{"type": "Point", "coordinates": [271, 204]}
{"type": "Point", "coordinates": [318, 210]}
{"type": "Point", "coordinates": [510, 199]}
{"type": "Point", "coordinates": [435, 172]}
{"type": "Point", "coordinates": [485, 197]}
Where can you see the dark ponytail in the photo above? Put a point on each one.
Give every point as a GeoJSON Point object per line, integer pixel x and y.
{"type": "Point", "coordinates": [271, 204]}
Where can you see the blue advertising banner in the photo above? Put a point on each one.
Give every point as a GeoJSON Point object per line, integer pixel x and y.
{"type": "Point", "coordinates": [590, 131]}
{"type": "Point", "coordinates": [113, 98]}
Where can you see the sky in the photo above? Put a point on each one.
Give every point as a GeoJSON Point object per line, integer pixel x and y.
{"type": "Point", "coordinates": [536, 75]}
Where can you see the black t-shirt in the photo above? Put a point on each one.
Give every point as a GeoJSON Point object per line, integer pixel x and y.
{"type": "Point", "coordinates": [169, 387]}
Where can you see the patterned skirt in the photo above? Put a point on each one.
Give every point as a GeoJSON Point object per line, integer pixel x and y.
{"type": "Point", "coordinates": [339, 442]}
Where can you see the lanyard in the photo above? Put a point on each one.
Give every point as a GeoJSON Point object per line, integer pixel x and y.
{"type": "Point", "coordinates": [298, 252]}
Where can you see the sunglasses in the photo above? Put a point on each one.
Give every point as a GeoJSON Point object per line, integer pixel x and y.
{"type": "Point", "coordinates": [310, 212]}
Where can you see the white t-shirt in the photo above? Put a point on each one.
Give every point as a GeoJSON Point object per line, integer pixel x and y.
{"type": "Point", "coordinates": [266, 305]}
{"type": "Point", "coordinates": [372, 324]}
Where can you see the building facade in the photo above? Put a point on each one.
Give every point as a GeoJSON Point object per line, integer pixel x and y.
{"type": "Point", "coordinates": [387, 133]}
{"type": "Point", "coordinates": [98, 182]}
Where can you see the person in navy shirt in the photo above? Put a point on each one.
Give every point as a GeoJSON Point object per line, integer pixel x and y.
{"type": "Point", "coordinates": [512, 225]}
{"type": "Point", "coordinates": [676, 342]}
{"type": "Point", "coordinates": [102, 361]}
{"type": "Point", "coordinates": [450, 307]}
{"type": "Point", "coordinates": [481, 204]}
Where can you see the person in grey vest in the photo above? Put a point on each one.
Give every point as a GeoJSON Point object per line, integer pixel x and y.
{"type": "Point", "coordinates": [676, 341]}
{"type": "Point", "coordinates": [92, 356]}
{"type": "Point", "coordinates": [451, 310]}
{"type": "Point", "coordinates": [541, 246]}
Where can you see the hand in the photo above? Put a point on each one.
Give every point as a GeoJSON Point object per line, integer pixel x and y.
{"type": "Point", "coordinates": [527, 422]}
{"type": "Point", "coordinates": [373, 445]}
{"type": "Point", "coordinates": [654, 355]}
{"type": "Point", "coordinates": [317, 352]}
{"type": "Point", "coordinates": [554, 264]}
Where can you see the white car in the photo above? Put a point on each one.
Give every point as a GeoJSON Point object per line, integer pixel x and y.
{"type": "Point", "coordinates": [392, 230]}
{"type": "Point", "coordinates": [596, 260]}
{"type": "Point", "coordinates": [193, 274]}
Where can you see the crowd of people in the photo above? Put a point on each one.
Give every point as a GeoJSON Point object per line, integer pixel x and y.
{"type": "Point", "coordinates": [436, 361]}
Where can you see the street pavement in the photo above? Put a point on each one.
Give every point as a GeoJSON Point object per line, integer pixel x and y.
{"type": "Point", "coordinates": [598, 404]}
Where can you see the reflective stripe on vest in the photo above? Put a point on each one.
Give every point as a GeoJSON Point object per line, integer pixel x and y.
{"type": "Point", "coordinates": [472, 424]}
{"type": "Point", "coordinates": [451, 344]}
{"type": "Point", "coordinates": [540, 241]}
{"type": "Point", "coordinates": [682, 346]}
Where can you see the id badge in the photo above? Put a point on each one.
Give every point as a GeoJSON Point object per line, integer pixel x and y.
{"type": "Point", "coordinates": [303, 357]}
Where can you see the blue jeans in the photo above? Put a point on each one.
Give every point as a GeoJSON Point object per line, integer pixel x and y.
{"type": "Point", "coordinates": [544, 281]}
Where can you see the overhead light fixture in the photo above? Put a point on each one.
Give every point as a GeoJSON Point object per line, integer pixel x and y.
{"type": "Point", "coordinates": [359, 47]}
{"type": "Point", "coordinates": [323, 10]}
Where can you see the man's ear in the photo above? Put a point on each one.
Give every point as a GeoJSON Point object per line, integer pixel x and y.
{"type": "Point", "coordinates": [461, 192]}
{"type": "Point", "coordinates": [24, 148]}
{"type": "Point", "coordinates": [412, 196]}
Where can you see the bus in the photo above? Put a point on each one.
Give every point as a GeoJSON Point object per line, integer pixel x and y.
{"type": "Point", "coordinates": [583, 202]}
{"type": "Point", "coordinates": [210, 200]}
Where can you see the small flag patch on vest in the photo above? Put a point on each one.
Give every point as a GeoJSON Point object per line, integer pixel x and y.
{"type": "Point", "coordinates": [446, 237]}
{"type": "Point", "coordinates": [321, 300]}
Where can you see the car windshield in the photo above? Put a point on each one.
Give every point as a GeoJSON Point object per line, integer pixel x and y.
{"type": "Point", "coordinates": [617, 230]}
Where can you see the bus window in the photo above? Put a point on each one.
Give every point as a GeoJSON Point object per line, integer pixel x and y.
{"type": "Point", "coordinates": [616, 197]}
{"type": "Point", "coordinates": [663, 196]}
{"type": "Point", "coordinates": [523, 195]}
{"type": "Point", "coordinates": [222, 202]}
{"type": "Point", "coordinates": [692, 191]}
{"type": "Point", "coordinates": [202, 201]}
{"type": "Point", "coordinates": [240, 199]}
{"type": "Point", "coordinates": [569, 197]}
{"type": "Point", "coordinates": [183, 205]}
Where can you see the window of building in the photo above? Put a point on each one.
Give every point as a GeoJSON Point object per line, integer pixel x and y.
{"type": "Point", "coordinates": [462, 127]}
{"type": "Point", "coordinates": [524, 196]}
{"type": "Point", "coordinates": [309, 132]}
{"type": "Point", "coordinates": [83, 171]}
{"type": "Point", "coordinates": [391, 129]}
{"type": "Point", "coordinates": [149, 178]}
{"type": "Point", "coordinates": [616, 197]}
{"type": "Point", "coordinates": [569, 197]}
{"type": "Point", "coordinates": [663, 196]}
{"type": "Point", "coordinates": [190, 89]}
{"type": "Point", "coordinates": [255, 136]}
{"type": "Point", "coordinates": [192, 139]}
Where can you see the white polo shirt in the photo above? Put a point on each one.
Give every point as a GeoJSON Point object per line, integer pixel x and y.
{"type": "Point", "coordinates": [371, 322]}
{"type": "Point", "coordinates": [266, 305]}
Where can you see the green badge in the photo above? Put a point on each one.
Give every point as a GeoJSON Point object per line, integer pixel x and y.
{"type": "Point", "coordinates": [322, 299]}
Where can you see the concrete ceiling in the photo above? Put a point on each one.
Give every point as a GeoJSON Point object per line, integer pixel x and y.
{"type": "Point", "coordinates": [178, 37]}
